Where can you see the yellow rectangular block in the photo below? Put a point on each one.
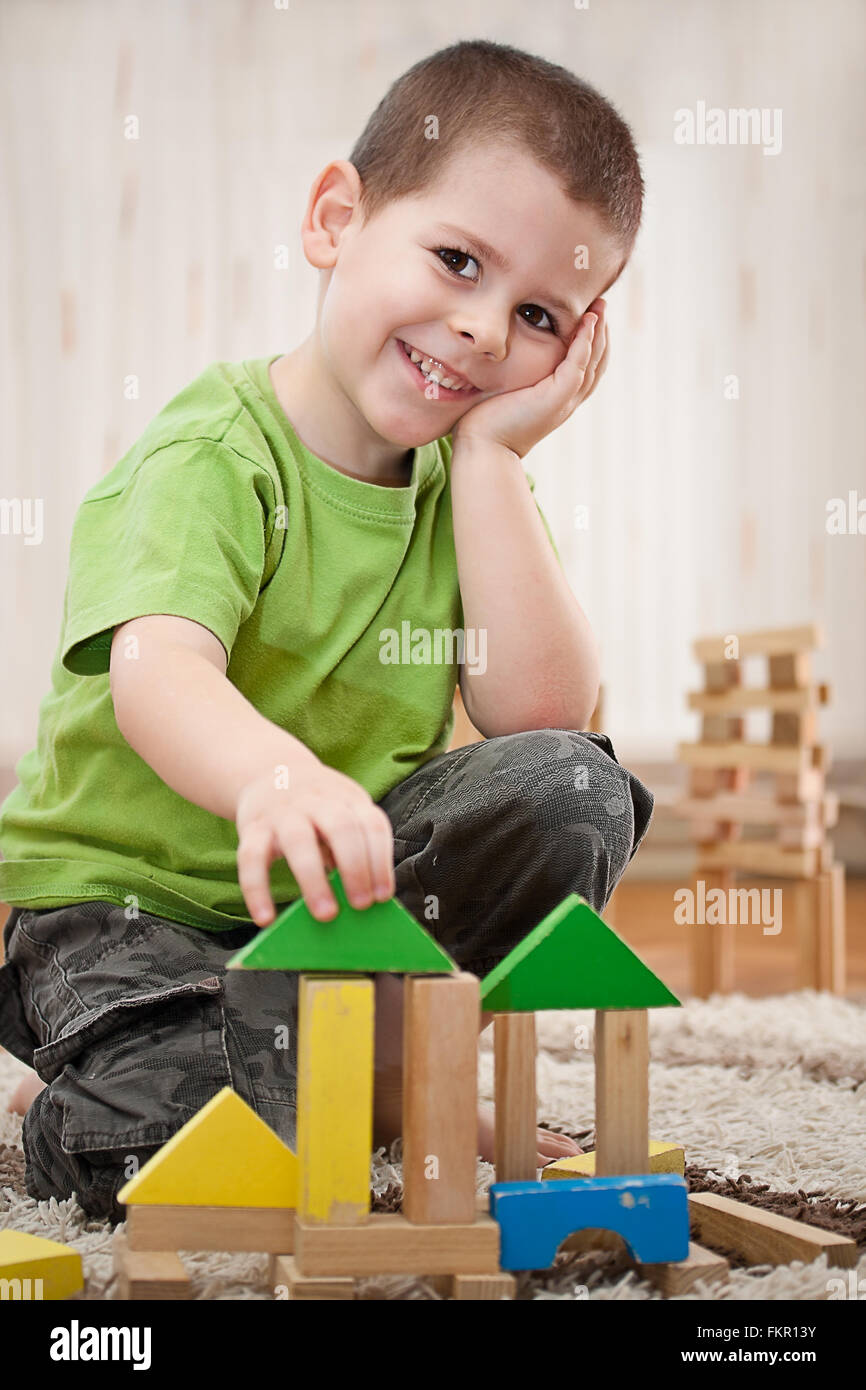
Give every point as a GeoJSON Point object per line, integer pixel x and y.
{"type": "Point", "coordinates": [664, 1158]}
{"type": "Point", "coordinates": [335, 1098]}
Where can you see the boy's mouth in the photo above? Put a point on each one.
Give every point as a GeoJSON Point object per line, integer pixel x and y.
{"type": "Point", "coordinates": [426, 369]}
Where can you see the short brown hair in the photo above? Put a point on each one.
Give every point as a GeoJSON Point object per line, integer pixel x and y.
{"type": "Point", "coordinates": [484, 91]}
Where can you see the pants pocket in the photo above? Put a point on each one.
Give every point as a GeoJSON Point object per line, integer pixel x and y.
{"type": "Point", "coordinates": [133, 1073]}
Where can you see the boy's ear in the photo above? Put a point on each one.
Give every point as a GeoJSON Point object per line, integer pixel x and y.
{"type": "Point", "coordinates": [333, 202]}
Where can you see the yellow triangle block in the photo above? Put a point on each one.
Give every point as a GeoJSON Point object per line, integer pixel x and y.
{"type": "Point", "coordinates": [663, 1157]}
{"type": "Point", "coordinates": [225, 1156]}
{"type": "Point", "coordinates": [32, 1267]}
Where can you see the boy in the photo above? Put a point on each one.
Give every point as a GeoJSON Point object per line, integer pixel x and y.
{"type": "Point", "coordinates": [227, 720]}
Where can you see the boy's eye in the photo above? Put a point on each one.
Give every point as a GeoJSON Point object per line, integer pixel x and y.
{"type": "Point", "coordinates": [537, 309]}
{"type": "Point", "coordinates": [443, 252]}
{"type": "Point", "coordinates": [451, 254]}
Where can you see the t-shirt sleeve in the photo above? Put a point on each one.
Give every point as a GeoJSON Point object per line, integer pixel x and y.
{"type": "Point", "coordinates": [187, 531]}
{"type": "Point", "coordinates": [531, 482]}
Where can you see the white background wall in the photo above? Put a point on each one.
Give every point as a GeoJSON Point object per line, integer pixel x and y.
{"type": "Point", "coordinates": [156, 257]}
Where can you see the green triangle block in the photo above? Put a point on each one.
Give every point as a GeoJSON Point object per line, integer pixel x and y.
{"type": "Point", "coordinates": [383, 936]}
{"type": "Point", "coordinates": [572, 960]}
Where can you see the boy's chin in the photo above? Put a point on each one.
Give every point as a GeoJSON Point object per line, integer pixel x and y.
{"type": "Point", "coordinates": [411, 434]}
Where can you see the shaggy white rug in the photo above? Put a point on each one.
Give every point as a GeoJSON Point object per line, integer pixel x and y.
{"type": "Point", "coordinates": [768, 1093]}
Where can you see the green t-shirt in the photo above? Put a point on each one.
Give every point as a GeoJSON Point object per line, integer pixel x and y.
{"type": "Point", "coordinates": [220, 514]}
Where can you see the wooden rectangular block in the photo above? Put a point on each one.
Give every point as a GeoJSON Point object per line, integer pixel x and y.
{"type": "Point", "coordinates": [758, 757]}
{"type": "Point", "coordinates": [477, 1288]}
{"type": "Point", "coordinates": [828, 905]}
{"type": "Point", "coordinates": [808, 784]}
{"type": "Point", "coordinates": [266, 1229]}
{"type": "Point", "coordinates": [791, 670]}
{"type": "Point", "coordinates": [760, 810]}
{"type": "Point", "coordinates": [514, 1061]}
{"type": "Point", "coordinates": [714, 944]}
{"type": "Point", "coordinates": [744, 698]}
{"type": "Point", "coordinates": [154, 1275]}
{"type": "Point", "coordinates": [391, 1244]}
{"type": "Point", "coordinates": [795, 728]}
{"type": "Point", "coordinates": [621, 1092]}
{"type": "Point", "coordinates": [335, 1097]}
{"type": "Point", "coordinates": [285, 1276]}
{"type": "Point", "coordinates": [769, 642]}
{"type": "Point", "coordinates": [440, 1097]}
{"type": "Point", "coordinates": [762, 1236]}
{"type": "Point", "coordinates": [720, 676]}
{"type": "Point", "coordinates": [678, 1276]}
{"type": "Point", "coordinates": [760, 857]}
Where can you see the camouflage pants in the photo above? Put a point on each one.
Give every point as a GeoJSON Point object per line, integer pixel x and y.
{"type": "Point", "coordinates": [134, 1023]}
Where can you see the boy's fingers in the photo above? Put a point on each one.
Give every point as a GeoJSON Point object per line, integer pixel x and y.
{"type": "Point", "coordinates": [598, 360]}
{"type": "Point", "coordinates": [303, 854]}
{"type": "Point", "coordinates": [254, 860]}
{"type": "Point", "coordinates": [601, 368]}
{"type": "Point", "coordinates": [341, 828]}
{"type": "Point", "coordinates": [380, 846]}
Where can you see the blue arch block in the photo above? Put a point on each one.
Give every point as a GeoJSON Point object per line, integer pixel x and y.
{"type": "Point", "coordinates": [649, 1210]}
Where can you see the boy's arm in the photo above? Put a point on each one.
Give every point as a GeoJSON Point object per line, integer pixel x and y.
{"type": "Point", "coordinates": [176, 708]}
{"type": "Point", "coordinates": [542, 661]}
{"type": "Point", "coordinates": [542, 657]}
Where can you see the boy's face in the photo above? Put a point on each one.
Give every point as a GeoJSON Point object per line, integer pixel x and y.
{"type": "Point", "coordinates": [415, 276]}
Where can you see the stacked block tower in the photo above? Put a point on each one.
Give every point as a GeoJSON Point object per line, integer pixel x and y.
{"type": "Point", "coordinates": [796, 813]}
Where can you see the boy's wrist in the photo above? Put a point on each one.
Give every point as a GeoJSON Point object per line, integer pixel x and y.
{"type": "Point", "coordinates": [481, 446]}
{"type": "Point", "coordinates": [279, 760]}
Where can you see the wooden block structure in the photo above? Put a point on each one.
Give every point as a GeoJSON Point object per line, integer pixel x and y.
{"type": "Point", "coordinates": [797, 811]}
{"type": "Point", "coordinates": [227, 1182]}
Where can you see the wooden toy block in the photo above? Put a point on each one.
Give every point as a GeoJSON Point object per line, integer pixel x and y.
{"type": "Point", "coordinates": [335, 1098]}
{"type": "Point", "coordinates": [516, 1115]}
{"type": "Point", "coordinates": [794, 728]}
{"type": "Point", "coordinates": [648, 1210]}
{"type": "Point", "coordinates": [663, 1158]}
{"type": "Point", "coordinates": [155, 1275]}
{"type": "Point", "coordinates": [382, 937]}
{"type": "Point", "coordinates": [225, 1156]}
{"type": "Point", "coordinates": [763, 1237]}
{"type": "Point", "coordinates": [477, 1288]}
{"type": "Point", "coordinates": [572, 960]}
{"type": "Point", "coordinates": [769, 643]}
{"type": "Point", "coordinates": [678, 1276]}
{"type": "Point", "coordinates": [761, 810]}
{"type": "Point", "coordinates": [819, 916]}
{"type": "Point", "coordinates": [791, 670]}
{"type": "Point", "coordinates": [779, 701]}
{"type": "Point", "coordinates": [391, 1244]}
{"type": "Point", "coordinates": [759, 857]}
{"type": "Point", "coordinates": [265, 1229]}
{"type": "Point", "coordinates": [759, 757]}
{"type": "Point", "coordinates": [285, 1275]}
{"type": "Point", "coordinates": [621, 1091]}
{"type": "Point", "coordinates": [34, 1268]}
{"type": "Point", "coordinates": [714, 943]}
{"type": "Point", "coordinates": [440, 1097]}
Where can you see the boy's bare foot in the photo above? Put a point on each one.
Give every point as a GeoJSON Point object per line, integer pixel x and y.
{"type": "Point", "coordinates": [26, 1092]}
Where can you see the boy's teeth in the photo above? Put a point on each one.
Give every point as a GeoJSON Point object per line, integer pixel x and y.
{"type": "Point", "coordinates": [425, 365]}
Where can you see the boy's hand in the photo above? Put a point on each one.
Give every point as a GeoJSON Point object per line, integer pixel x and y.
{"type": "Point", "coordinates": [517, 420]}
{"type": "Point", "coordinates": [322, 820]}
